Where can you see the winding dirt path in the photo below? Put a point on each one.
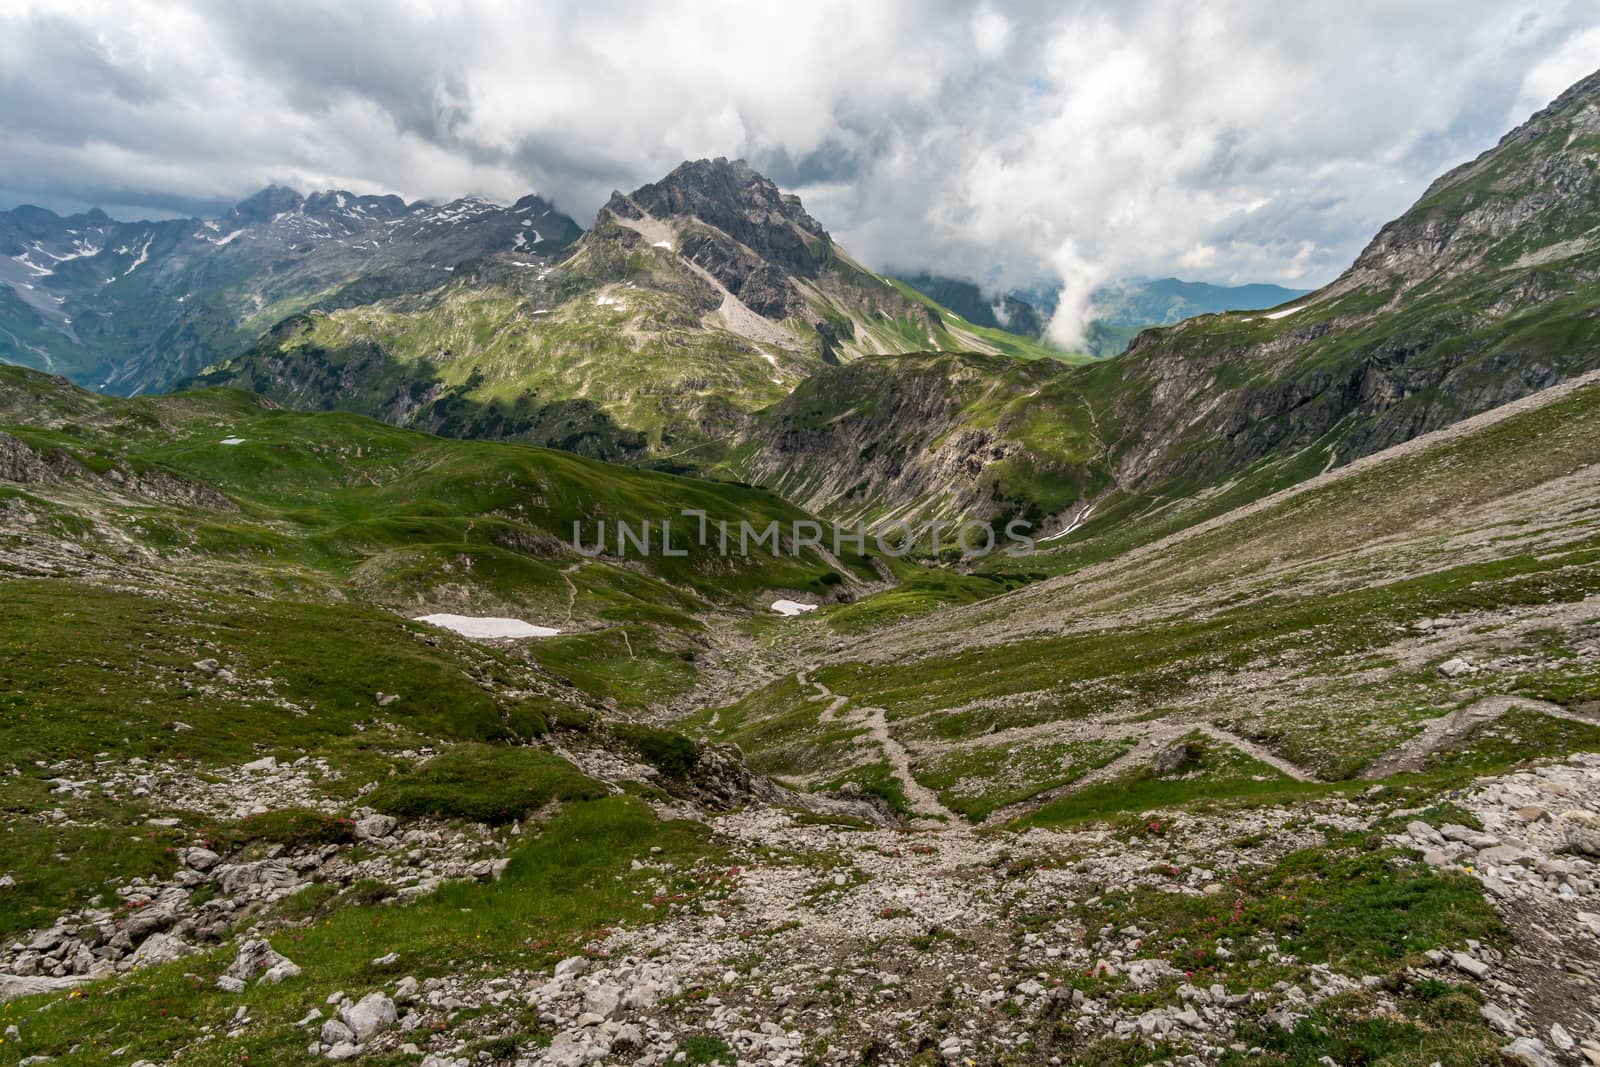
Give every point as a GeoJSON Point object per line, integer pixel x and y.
{"type": "Point", "coordinates": [1411, 755]}
{"type": "Point", "coordinates": [922, 800]}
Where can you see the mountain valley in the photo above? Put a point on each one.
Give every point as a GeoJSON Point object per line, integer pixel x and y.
{"type": "Point", "coordinates": [342, 723]}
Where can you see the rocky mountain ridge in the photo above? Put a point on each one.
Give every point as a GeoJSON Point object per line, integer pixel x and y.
{"type": "Point", "coordinates": [136, 306]}
{"type": "Point", "coordinates": [689, 306]}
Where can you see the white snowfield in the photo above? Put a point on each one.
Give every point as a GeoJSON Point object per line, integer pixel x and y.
{"type": "Point", "coordinates": [486, 626]}
{"type": "Point", "coordinates": [232, 441]}
{"type": "Point", "coordinates": [791, 607]}
{"type": "Point", "coordinates": [1281, 314]}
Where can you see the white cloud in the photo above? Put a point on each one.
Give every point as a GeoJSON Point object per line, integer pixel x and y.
{"type": "Point", "coordinates": [1237, 140]}
{"type": "Point", "coordinates": [991, 32]}
{"type": "Point", "coordinates": [1575, 58]}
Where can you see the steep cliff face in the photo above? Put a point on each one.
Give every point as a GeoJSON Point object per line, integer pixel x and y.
{"type": "Point", "coordinates": [945, 436]}
{"type": "Point", "coordinates": [1531, 199]}
{"type": "Point", "coordinates": [780, 281]}
{"type": "Point", "coordinates": [735, 199]}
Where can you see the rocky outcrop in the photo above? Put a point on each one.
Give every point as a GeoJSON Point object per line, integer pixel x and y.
{"type": "Point", "coordinates": [1473, 298]}
{"type": "Point", "coordinates": [764, 288]}
{"type": "Point", "coordinates": [894, 435]}
{"type": "Point", "coordinates": [19, 462]}
{"type": "Point", "coordinates": [744, 205]}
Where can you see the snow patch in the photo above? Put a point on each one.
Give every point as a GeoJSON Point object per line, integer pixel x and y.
{"type": "Point", "coordinates": [144, 256]}
{"type": "Point", "coordinates": [486, 626]}
{"type": "Point", "coordinates": [663, 244]}
{"type": "Point", "coordinates": [231, 441]}
{"type": "Point", "coordinates": [1083, 517]}
{"type": "Point", "coordinates": [1281, 314]}
{"type": "Point", "coordinates": [791, 608]}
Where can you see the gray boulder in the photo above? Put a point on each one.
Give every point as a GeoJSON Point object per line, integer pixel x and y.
{"type": "Point", "coordinates": [369, 1016]}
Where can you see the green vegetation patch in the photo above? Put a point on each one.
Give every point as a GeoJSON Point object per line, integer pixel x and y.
{"type": "Point", "coordinates": [977, 781]}
{"type": "Point", "coordinates": [485, 783]}
{"type": "Point", "coordinates": [565, 886]}
{"type": "Point", "coordinates": [1219, 775]}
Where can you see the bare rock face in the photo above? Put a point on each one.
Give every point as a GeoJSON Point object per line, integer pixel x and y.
{"type": "Point", "coordinates": [765, 289]}
{"type": "Point", "coordinates": [1174, 758]}
{"type": "Point", "coordinates": [734, 198]}
{"type": "Point", "coordinates": [20, 463]}
{"type": "Point", "coordinates": [158, 948]}
{"type": "Point", "coordinates": [13, 986]}
{"type": "Point", "coordinates": [237, 878]}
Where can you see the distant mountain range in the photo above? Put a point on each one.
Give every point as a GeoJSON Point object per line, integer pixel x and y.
{"type": "Point", "coordinates": [1120, 311]}
{"type": "Point", "coordinates": [707, 324]}
{"type": "Point", "coordinates": [131, 307]}
{"type": "Point", "coordinates": [1484, 291]}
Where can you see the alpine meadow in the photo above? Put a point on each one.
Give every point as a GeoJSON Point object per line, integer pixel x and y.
{"type": "Point", "coordinates": [999, 557]}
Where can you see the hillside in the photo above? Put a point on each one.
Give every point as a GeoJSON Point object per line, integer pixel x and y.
{"type": "Point", "coordinates": [924, 437]}
{"type": "Point", "coordinates": [131, 307]}
{"type": "Point", "coordinates": [1206, 811]}
{"type": "Point", "coordinates": [691, 303]}
{"type": "Point", "coordinates": [1483, 292]}
{"type": "Point", "coordinates": [326, 738]}
{"type": "Point", "coordinates": [219, 493]}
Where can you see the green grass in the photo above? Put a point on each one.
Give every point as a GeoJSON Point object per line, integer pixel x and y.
{"type": "Point", "coordinates": [780, 731]}
{"type": "Point", "coordinates": [295, 827]}
{"type": "Point", "coordinates": [1356, 905]}
{"type": "Point", "coordinates": [627, 665]}
{"type": "Point", "coordinates": [875, 780]}
{"type": "Point", "coordinates": [976, 781]}
{"type": "Point", "coordinates": [1516, 737]}
{"type": "Point", "coordinates": [1219, 775]}
{"type": "Point", "coordinates": [1147, 666]}
{"type": "Point", "coordinates": [58, 866]}
{"type": "Point", "coordinates": [485, 783]}
{"type": "Point", "coordinates": [305, 674]}
{"type": "Point", "coordinates": [335, 504]}
{"type": "Point", "coordinates": [668, 751]}
{"type": "Point", "coordinates": [704, 1049]}
{"type": "Point", "coordinates": [924, 591]}
{"type": "Point", "coordinates": [564, 886]}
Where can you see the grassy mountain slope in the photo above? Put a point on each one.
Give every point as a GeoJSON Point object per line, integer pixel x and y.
{"type": "Point", "coordinates": [1314, 633]}
{"type": "Point", "coordinates": [691, 303]}
{"type": "Point", "coordinates": [341, 510]}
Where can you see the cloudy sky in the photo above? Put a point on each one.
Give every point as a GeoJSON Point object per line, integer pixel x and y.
{"type": "Point", "coordinates": [1226, 141]}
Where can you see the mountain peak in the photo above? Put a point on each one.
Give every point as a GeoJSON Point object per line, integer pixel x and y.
{"type": "Point", "coordinates": [747, 206]}
{"type": "Point", "coordinates": [1535, 188]}
{"type": "Point", "coordinates": [262, 206]}
{"type": "Point", "coordinates": [338, 201]}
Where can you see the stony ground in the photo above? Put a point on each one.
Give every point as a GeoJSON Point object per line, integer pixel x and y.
{"type": "Point", "coordinates": [826, 939]}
